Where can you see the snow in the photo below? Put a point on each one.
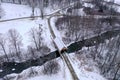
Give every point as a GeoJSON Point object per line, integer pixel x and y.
{"type": "Point", "coordinates": [64, 73]}
{"type": "Point", "coordinates": [47, 36]}
{"type": "Point", "coordinates": [13, 69]}
{"type": "Point", "coordinates": [59, 43]}
{"type": "Point", "coordinates": [57, 33]}
{"type": "Point", "coordinates": [1, 70]}
{"type": "Point", "coordinates": [17, 11]}
{"type": "Point", "coordinates": [24, 26]}
{"type": "Point", "coordinates": [46, 78]}
{"type": "Point", "coordinates": [116, 1]}
{"type": "Point", "coordinates": [82, 72]}
{"type": "Point", "coordinates": [118, 7]}
{"type": "Point", "coordinates": [88, 5]}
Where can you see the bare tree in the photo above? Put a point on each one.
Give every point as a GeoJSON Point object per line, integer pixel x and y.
{"type": "Point", "coordinates": [33, 7]}
{"type": "Point", "coordinates": [3, 45]}
{"type": "Point", "coordinates": [46, 3]}
{"type": "Point", "coordinates": [19, 1]}
{"type": "Point", "coordinates": [41, 7]}
{"type": "Point", "coordinates": [35, 34]}
{"type": "Point", "coordinates": [31, 3]}
{"type": "Point", "coordinates": [74, 28]}
{"type": "Point", "coordinates": [51, 67]}
{"type": "Point", "coordinates": [15, 41]}
{"type": "Point", "coordinates": [117, 70]}
{"type": "Point", "coordinates": [1, 11]}
{"type": "Point", "coordinates": [13, 1]}
{"type": "Point", "coordinates": [33, 37]}
{"type": "Point", "coordinates": [39, 33]}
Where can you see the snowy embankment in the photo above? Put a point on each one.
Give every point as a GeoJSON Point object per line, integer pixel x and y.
{"type": "Point", "coordinates": [84, 68]}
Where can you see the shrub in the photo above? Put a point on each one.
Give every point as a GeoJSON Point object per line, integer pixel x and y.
{"type": "Point", "coordinates": [51, 67]}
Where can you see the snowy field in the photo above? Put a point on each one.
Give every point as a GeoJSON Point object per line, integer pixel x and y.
{"type": "Point", "coordinates": [23, 26]}
{"type": "Point", "coordinates": [15, 11]}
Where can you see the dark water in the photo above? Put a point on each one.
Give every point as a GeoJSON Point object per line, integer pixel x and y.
{"type": "Point", "coordinates": [92, 41]}
{"type": "Point", "coordinates": [13, 67]}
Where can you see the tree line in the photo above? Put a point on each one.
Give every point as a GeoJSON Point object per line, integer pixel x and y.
{"type": "Point", "coordinates": [11, 45]}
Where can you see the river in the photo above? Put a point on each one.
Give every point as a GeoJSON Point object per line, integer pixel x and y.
{"type": "Point", "coordinates": [14, 67]}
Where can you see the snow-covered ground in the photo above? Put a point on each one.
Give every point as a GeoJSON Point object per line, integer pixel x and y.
{"type": "Point", "coordinates": [116, 1]}
{"type": "Point", "coordinates": [15, 11]}
{"type": "Point", "coordinates": [23, 27]}
{"type": "Point", "coordinates": [83, 71]}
